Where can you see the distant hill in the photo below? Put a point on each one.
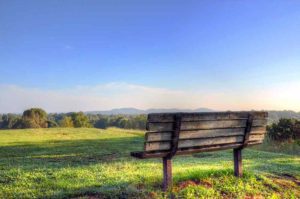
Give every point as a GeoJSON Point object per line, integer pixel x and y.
{"type": "Point", "coordinates": [274, 116]}
{"type": "Point", "coordinates": [134, 111]}
{"type": "Point", "coordinates": [178, 110]}
{"type": "Point", "coordinates": [122, 111]}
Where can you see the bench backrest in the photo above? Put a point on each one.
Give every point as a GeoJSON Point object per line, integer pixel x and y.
{"type": "Point", "coordinates": [194, 132]}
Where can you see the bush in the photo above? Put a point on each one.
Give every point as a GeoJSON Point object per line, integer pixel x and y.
{"type": "Point", "coordinates": [52, 124]}
{"type": "Point", "coordinates": [297, 130]}
{"type": "Point", "coordinates": [80, 120]}
{"type": "Point", "coordinates": [66, 122]}
{"type": "Point", "coordinates": [102, 123]}
{"type": "Point", "coordinates": [285, 129]}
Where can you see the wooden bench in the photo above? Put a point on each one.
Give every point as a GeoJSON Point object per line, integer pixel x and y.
{"type": "Point", "coordinates": [171, 134]}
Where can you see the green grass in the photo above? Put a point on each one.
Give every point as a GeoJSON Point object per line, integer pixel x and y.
{"type": "Point", "coordinates": [291, 147]}
{"type": "Point", "coordinates": [93, 163]}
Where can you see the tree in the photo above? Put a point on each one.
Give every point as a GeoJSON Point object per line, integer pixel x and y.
{"type": "Point", "coordinates": [80, 120]}
{"type": "Point", "coordinates": [18, 123]}
{"type": "Point", "coordinates": [52, 124]}
{"type": "Point", "coordinates": [35, 118]}
{"type": "Point", "coordinates": [297, 130]}
{"type": "Point", "coordinates": [66, 122]}
{"type": "Point", "coordinates": [101, 123]}
{"type": "Point", "coordinates": [141, 121]}
{"type": "Point", "coordinates": [283, 130]}
{"type": "Point", "coordinates": [10, 121]}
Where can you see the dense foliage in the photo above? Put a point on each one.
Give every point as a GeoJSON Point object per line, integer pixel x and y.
{"type": "Point", "coordinates": [31, 118]}
{"type": "Point", "coordinates": [38, 118]}
{"type": "Point", "coordinates": [284, 129]}
{"type": "Point", "coordinates": [10, 121]}
{"type": "Point", "coordinates": [34, 118]}
{"type": "Point", "coordinates": [66, 122]}
{"type": "Point", "coordinates": [120, 121]}
{"type": "Point", "coordinates": [80, 120]}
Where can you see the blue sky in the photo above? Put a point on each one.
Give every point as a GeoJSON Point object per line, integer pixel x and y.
{"type": "Point", "coordinates": [229, 51]}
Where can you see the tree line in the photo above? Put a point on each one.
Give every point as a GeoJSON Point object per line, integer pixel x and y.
{"type": "Point", "coordinates": [38, 118]}
{"type": "Point", "coordinates": [284, 129]}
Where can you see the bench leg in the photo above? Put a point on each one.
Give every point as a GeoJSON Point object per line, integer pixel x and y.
{"type": "Point", "coordinates": [237, 158]}
{"type": "Point", "coordinates": [167, 172]}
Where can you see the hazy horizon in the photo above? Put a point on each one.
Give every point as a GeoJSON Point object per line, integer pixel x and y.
{"type": "Point", "coordinates": [163, 109]}
{"type": "Point", "coordinates": [67, 56]}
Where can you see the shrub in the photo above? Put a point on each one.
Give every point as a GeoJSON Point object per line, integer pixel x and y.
{"type": "Point", "coordinates": [66, 122]}
{"type": "Point", "coordinates": [52, 124]}
{"type": "Point", "coordinates": [285, 129]}
{"type": "Point", "coordinates": [80, 120]}
{"type": "Point", "coordinates": [102, 123]}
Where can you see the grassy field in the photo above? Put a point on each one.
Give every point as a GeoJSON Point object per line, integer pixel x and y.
{"type": "Point", "coordinates": [93, 163]}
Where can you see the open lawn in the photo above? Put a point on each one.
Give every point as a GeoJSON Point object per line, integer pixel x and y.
{"type": "Point", "coordinates": [93, 163]}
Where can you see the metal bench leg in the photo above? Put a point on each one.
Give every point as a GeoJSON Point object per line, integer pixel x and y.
{"type": "Point", "coordinates": [167, 172]}
{"type": "Point", "coordinates": [237, 158]}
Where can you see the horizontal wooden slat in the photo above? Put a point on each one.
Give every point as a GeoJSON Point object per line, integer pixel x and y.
{"type": "Point", "coordinates": [154, 146]}
{"type": "Point", "coordinates": [158, 136]}
{"type": "Point", "coordinates": [169, 117]}
{"type": "Point", "coordinates": [211, 133]}
{"type": "Point", "coordinates": [192, 134]}
{"type": "Point", "coordinates": [257, 137]}
{"type": "Point", "coordinates": [157, 154]}
{"type": "Point", "coordinates": [206, 124]}
{"type": "Point", "coordinates": [209, 141]}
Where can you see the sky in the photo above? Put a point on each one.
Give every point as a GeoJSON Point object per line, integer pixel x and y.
{"type": "Point", "coordinates": [87, 55]}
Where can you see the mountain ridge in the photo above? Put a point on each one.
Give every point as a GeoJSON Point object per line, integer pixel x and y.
{"type": "Point", "coordinates": [135, 111]}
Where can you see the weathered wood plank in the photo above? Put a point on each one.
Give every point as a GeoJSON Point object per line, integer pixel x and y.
{"type": "Point", "coordinates": [258, 130]}
{"type": "Point", "coordinates": [257, 137]}
{"type": "Point", "coordinates": [205, 124]}
{"type": "Point", "coordinates": [154, 146]}
{"type": "Point", "coordinates": [192, 134]}
{"type": "Point", "coordinates": [157, 146]}
{"type": "Point", "coordinates": [169, 117]}
{"type": "Point", "coordinates": [158, 136]}
{"type": "Point", "coordinates": [209, 141]}
{"type": "Point", "coordinates": [165, 145]}
{"type": "Point", "coordinates": [211, 133]}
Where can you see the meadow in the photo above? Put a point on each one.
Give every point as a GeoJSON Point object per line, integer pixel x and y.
{"type": "Point", "coordinates": [95, 163]}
